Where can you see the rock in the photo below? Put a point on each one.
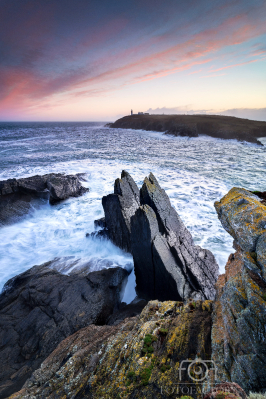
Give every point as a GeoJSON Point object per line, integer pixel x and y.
{"type": "Point", "coordinates": [101, 234]}
{"type": "Point", "coordinates": [168, 265]}
{"type": "Point", "coordinates": [17, 196]}
{"type": "Point", "coordinates": [41, 307]}
{"type": "Point", "coordinates": [230, 389]}
{"type": "Point", "coordinates": [138, 358]}
{"type": "Point", "coordinates": [239, 317]}
{"type": "Point", "coordinates": [118, 209]}
{"type": "Point", "coordinates": [62, 187]}
{"type": "Point", "coordinates": [100, 223]}
{"type": "Point", "coordinates": [164, 252]}
{"type": "Point", "coordinates": [131, 310]}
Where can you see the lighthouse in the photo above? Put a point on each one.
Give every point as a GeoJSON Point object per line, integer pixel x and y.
{"type": "Point", "coordinates": [132, 112]}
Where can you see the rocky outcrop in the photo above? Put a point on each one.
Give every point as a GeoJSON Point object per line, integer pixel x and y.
{"type": "Point", "coordinates": [139, 358]}
{"type": "Point", "coordinates": [223, 127]}
{"type": "Point", "coordinates": [118, 209]}
{"type": "Point", "coordinates": [18, 195]}
{"type": "Point", "coordinates": [41, 307]}
{"type": "Point", "coordinates": [168, 265]}
{"type": "Point", "coordinates": [239, 317]}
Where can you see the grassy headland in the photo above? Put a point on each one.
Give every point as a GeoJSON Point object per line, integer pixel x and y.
{"type": "Point", "coordinates": [224, 127]}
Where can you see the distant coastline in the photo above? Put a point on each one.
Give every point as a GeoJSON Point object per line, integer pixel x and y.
{"type": "Point", "coordinates": [224, 127]}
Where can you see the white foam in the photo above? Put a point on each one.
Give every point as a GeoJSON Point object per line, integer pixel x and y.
{"type": "Point", "coordinates": [194, 173]}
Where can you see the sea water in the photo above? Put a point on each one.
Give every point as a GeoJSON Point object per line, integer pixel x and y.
{"type": "Point", "coordinates": [195, 172]}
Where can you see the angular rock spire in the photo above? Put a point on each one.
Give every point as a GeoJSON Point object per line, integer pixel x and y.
{"type": "Point", "coordinates": [118, 209]}
{"type": "Point", "coordinates": [168, 265]}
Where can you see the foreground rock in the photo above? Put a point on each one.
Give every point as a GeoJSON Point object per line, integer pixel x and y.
{"type": "Point", "coordinates": [239, 318]}
{"type": "Point", "coordinates": [41, 307]}
{"type": "Point", "coordinates": [168, 265]}
{"type": "Point", "coordinates": [138, 358]}
{"type": "Point", "coordinates": [18, 195]}
{"type": "Point", "coordinates": [223, 127]}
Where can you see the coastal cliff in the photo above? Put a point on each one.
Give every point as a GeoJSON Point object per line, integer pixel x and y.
{"type": "Point", "coordinates": [151, 353]}
{"type": "Point", "coordinates": [223, 127]}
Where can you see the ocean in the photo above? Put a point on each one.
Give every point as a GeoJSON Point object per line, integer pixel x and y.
{"type": "Point", "coordinates": [195, 172]}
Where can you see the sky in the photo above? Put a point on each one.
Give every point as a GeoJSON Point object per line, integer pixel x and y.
{"type": "Point", "coordinates": [91, 60]}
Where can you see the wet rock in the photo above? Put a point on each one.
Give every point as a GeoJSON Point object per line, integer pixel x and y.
{"type": "Point", "coordinates": [168, 265]}
{"type": "Point", "coordinates": [239, 318]}
{"type": "Point", "coordinates": [100, 223]}
{"type": "Point", "coordinates": [138, 358]}
{"type": "Point", "coordinates": [102, 234]}
{"type": "Point", "coordinates": [118, 209]}
{"type": "Point", "coordinates": [17, 196]}
{"type": "Point", "coordinates": [41, 307]}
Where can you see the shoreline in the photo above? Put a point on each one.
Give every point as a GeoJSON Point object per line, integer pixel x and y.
{"type": "Point", "coordinates": [216, 126]}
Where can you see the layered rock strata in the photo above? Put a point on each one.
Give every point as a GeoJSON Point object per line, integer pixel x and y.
{"type": "Point", "coordinates": [168, 265]}
{"type": "Point", "coordinates": [139, 358]}
{"type": "Point", "coordinates": [18, 195]}
{"type": "Point", "coordinates": [239, 317]}
{"type": "Point", "coordinates": [118, 209]}
{"type": "Point", "coordinates": [41, 307]}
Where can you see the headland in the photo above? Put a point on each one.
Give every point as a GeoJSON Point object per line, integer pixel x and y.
{"type": "Point", "coordinates": [223, 127]}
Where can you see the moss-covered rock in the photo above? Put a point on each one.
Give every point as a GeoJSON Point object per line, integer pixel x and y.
{"type": "Point", "coordinates": [110, 361]}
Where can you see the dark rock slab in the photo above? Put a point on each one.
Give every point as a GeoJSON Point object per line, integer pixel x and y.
{"type": "Point", "coordinates": [17, 196]}
{"type": "Point", "coordinates": [118, 209]}
{"type": "Point", "coordinates": [41, 307]}
{"type": "Point", "coordinates": [168, 265]}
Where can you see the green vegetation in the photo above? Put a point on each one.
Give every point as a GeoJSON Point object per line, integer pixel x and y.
{"type": "Point", "coordinates": [264, 297]}
{"type": "Point", "coordinates": [147, 345]}
{"type": "Point", "coordinates": [220, 395]}
{"type": "Point", "coordinates": [165, 367]}
{"type": "Point", "coordinates": [163, 331]}
{"type": "Point", "coordinates": [146, 373]}
{"type": "Point", "coordinates": [131, 378]}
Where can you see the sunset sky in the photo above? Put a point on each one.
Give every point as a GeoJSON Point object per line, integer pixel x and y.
{"type": "Point", "coordinates": [83, 60]}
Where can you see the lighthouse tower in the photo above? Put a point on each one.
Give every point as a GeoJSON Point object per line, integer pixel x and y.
{"type": "Point", "coordinates": [132, 112]}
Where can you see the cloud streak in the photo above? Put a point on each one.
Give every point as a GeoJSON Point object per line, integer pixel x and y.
{"type": "Point", "coordinates": [50, 52]}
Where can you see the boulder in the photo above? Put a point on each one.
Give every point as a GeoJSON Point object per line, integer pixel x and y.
{"type": "Point", "coordinates": [239, 317]}
{"type": "Point", "coordinates": [17, 196]}
{"type": "Point", "coordinates": [118, 209]}
{"type": "Point", "coordinates": [141, 357]}
{"type": "Point", "coordinates": [41, 307]}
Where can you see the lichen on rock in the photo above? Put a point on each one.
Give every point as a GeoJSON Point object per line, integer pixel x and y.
{"type": "Point", "coordinates": [109, 361]}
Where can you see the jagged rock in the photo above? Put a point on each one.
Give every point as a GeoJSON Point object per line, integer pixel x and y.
{"type": "Point", "coordinates": [139, 358]}
{"type": "Point", "coordinates": [239, 317]}
{"type": "Point", "coordinates": [102, 234]}
{"type": "Point", "coordinates": [41, 307]}
{"type": "Point", "coordinates": [118, 209]}
{"type": "Point", "coordinates": [100, 223]}
{"type": "Point", "coordinates": [18, 195]}
{"type": "Point", "coordinates": [168, 265]}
